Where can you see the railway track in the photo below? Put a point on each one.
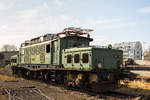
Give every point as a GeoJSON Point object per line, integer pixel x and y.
{"type": "Point", "coordinates": [26, 93]}
{"type": "Point", "coordinates": [84, 93]}
{"type": "Point", "coordinates": [32, 93]}
{"type": "Point", "coordinates": [120, 96]}
{"type": "Point", "coordinates": [111, 95]}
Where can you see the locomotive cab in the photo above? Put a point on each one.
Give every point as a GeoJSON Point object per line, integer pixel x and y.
{"type": "Point", "coordinates": [76, 41]}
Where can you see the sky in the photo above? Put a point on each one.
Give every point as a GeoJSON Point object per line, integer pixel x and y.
{"type": "Point", "coordinates": [113, 21]}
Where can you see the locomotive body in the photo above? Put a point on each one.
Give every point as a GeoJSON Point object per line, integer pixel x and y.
{"type": "Point", "coordinates": [50, 51]}
{"type": "Point", "coordinates": [69, 60]}
{"type": "Point", "coordinates": [92, 58]}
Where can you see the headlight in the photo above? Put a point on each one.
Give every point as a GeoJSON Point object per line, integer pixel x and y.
{"type": "Point", "coordinates": [99, 64]}
{"type": "Point", "coordinates": [121, 65]}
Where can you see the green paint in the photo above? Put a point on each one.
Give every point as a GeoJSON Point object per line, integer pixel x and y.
{"type": "Point", "coordinates": [104, 56]}
{"type": "Point", "coordinates": [71, 45]}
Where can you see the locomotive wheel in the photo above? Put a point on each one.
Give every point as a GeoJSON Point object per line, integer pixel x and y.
{"type": "Point", "coordinates": [68, 80]}
{"type": "Point", "coordinates": [111, 77]}
{"type": "Point", "coordinates": [28, 74]}
{"type": "Point", "coordinates": [46, 76]}
{"type": "Point", "coordinates": [19, 73]}
{"type": "Point", "coordinates": [83, 81]}
{"type": "Point", "coordinates": [80, 81]}
{"type": "Point", "coordinates": [34, 75]}
{"type": "Point", "coordinates": [13, 70]}
{"type": "Point", "coordinates": [60, 78]}
{"type": "Point", "coordinates": [41, 75]}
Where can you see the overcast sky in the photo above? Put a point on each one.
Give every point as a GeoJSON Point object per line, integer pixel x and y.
{"type": "Point", "coordinates": [113, 21]}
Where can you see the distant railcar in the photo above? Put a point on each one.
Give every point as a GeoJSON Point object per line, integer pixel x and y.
{"type": "Point", "coordinates": [69, 60]}
{"type": "Point", "coordinates": [14, 60]}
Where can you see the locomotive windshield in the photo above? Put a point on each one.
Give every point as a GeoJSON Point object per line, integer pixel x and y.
{"type": "Point", "coordinates": [73, 43]}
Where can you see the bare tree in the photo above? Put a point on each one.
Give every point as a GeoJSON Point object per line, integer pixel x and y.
{"type": "Point", "coordinates": [8, 47]}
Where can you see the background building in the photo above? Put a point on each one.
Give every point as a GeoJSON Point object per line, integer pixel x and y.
{"type": "Point", "coordinates": [5, 57]}
{"type": "Point", "coordinates": [130, 49]}
{"type": "Point", "coordinates": [146, 55]}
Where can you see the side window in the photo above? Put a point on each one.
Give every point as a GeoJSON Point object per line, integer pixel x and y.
{"type": "Point", "coordinates": [69, 59]}
{"type": "Point", "coordinates": [76, 58]}
{"type": "Point", "coordinates": [85, 58]}
{"type": "Point", "coordinates": [48, 48]}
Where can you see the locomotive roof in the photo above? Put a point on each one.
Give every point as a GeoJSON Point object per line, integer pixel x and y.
{"type": "Point", "coordinates": [68, 32]}
{"type": "Point", "coordinates": [48, 41]}
{"type": "Point", "coordinates": [90, 39]}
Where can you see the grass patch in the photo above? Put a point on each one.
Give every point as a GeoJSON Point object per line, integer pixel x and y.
{"type": "Point", "coordinates": [136, 87]}
{"type": "Point", "coordinates": [9, 78]}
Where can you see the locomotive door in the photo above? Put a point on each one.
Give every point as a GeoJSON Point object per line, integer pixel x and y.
{"type": "Point", "coordinates": [54, 53]}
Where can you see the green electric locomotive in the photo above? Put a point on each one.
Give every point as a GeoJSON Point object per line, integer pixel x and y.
{"type": "Point", "coordinates": [67, 58]}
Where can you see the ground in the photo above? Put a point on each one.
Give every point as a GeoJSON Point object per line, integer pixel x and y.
{"type": "Point", "coordinates": [53, 92]}
{"type": "Point", "coordinates": [22, 88]}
